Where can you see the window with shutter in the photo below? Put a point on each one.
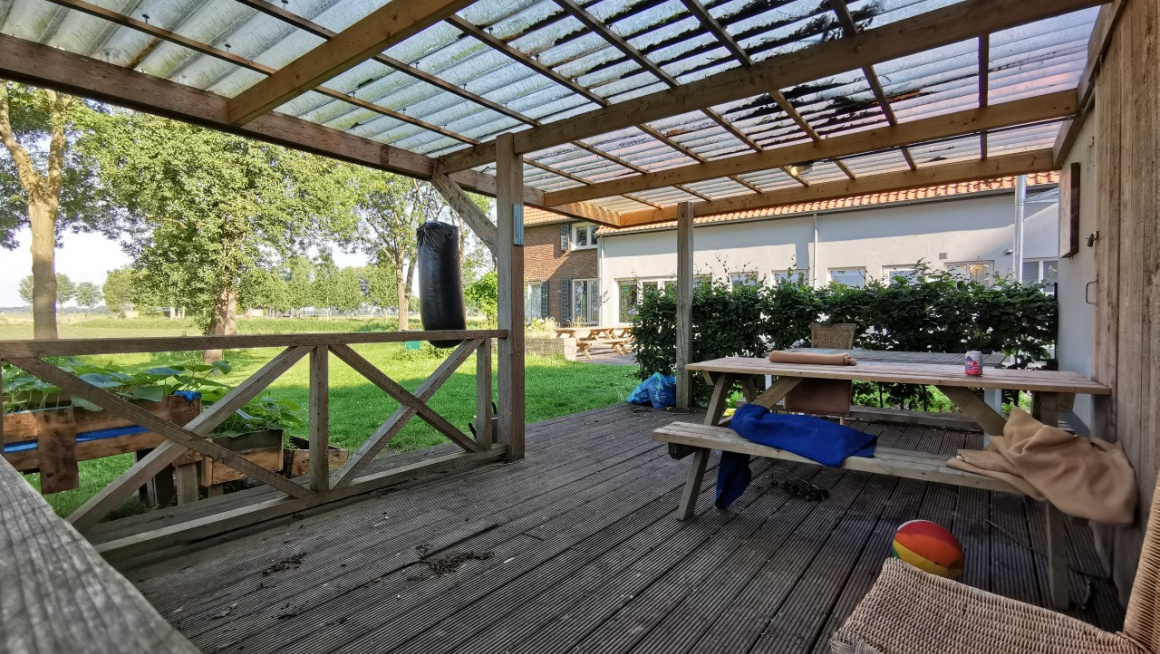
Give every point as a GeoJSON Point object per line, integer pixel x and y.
{"type": "Point", "coordinates": [565, 301]}
{"type": "Point", "coordinates": [544, 300]}
{"type": "Point", "coordinates": [565, 238]}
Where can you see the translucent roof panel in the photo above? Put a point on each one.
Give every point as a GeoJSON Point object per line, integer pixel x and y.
{"type": "Point", "coordinates": [932, 83]}
{"type": "Point", "coordinates": [837, 105]}
{"type": "Point", "coordinates": [887, 161]}
{"type": "Point", "coordinates": [869, 14]}
{"type": "Point", "coordinates": [766, 28]}
{"type": "Point", "coordinates": [825, 171]}
{"type": "Point", "coordinates": [668, 195]}
{"type": "Point", "coordinates": [1041, 57]}
{"type": "Point", "coordinates": [640, 149]}
{"type": "Point", "coordinates": [722, 187]}
{"type": "Point", "coordinates": [966, 148]}
{"type": "Point", "coordinates": [622, 204]}
{"type": "Point", "coordinates": [701, 134]}
{"type": "Point", "coordinates": [762, 119]}
{"type": "Point", "coordinates": [1022, 139]}
{"type": "Point", "coordinates": [770, 180]}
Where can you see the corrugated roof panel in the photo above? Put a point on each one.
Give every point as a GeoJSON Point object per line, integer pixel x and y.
{"type": "Point", "coordinates": [763, 120]}
{"type": "Point", "coordinates": [700, 134]}
{"type": "Point", "coordinates": [770, 180]}
{"type": "Point", "coordinates": [639, 149]}
{"type": "Point", "coordinates": [869, 14]}
{"type": "Point", "coordinates": [666, 196]}
{"type": "Point", "coordinates": [621, 205]}
{"type": "Point", "coordinates": [1022, 139]}
{"type": "Point", "coordinates": [766, 28]}
{"type": "Point", "coordinates": [934, 82]}
{"type": "Point", "coordinates": [825, 171]}
{"type": "Point", "coordinates": [838, 104]}
{"type": "Point", "coordinates": [715, 189]}
{"type": "Point", "coordinates": [1040, 57]}
{"type": "Point", "coordinates": [943, 152]}
{"type": "Point", "coordinates": [887, 161]}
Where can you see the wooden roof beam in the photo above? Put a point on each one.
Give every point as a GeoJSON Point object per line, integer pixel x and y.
{"type": "Point", "coordinates": [1015, 164]}
{"type": "Point", "coordinates": [958, 22]}
{"type": "Point", "coordinates": [984, 86]}
{"type": "Point", "coordinates": [382, 28]}
{"type": "Point", "coordinates": [49, 67]}
{"type": "Point", "coordinates": [969, 121]}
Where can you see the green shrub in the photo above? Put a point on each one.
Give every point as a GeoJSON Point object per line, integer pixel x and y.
{"type": "Point", "coordinates": [934, 312]}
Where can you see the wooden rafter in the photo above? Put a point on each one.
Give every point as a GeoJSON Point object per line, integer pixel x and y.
{"type": "Point", "coordinates": [387, 25]}
{"type": "Point", "coordinates": [933, 29]}
{"type": "Point", "coordinates": [847, 21]}
{"type": "Point", "coordinates": [50, 67]}
{"type": "Point", "coordinates": [969, 121]}
{"type": "Point", "coordinates": [984, 86]}
{"type": "Point", "coordinates": [1015, 164]}
{"type": "Point", "coordinates": [197, 46]}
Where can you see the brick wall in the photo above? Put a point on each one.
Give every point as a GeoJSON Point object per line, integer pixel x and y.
{"type": "Point", "coordinates": [545, 261]}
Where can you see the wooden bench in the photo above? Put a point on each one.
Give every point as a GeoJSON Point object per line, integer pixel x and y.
{"type": "Point", "coordinates": [620, 345]}
{"type": "Point", "coordinates": [703, 439]}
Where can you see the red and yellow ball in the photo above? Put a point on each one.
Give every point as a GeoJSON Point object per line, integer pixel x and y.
{"type": "Point", "coordinates": [929, 546]}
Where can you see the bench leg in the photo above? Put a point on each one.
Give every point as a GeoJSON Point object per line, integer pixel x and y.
{"type": "Point", "coordinates": [1057, 571]}
{"type": "Point", "coordinates": [693, 485]}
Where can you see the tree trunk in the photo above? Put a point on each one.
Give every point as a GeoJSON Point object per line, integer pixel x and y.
{"type": "Point", "coordinates": [42, 216]}
{"type": "Point", "coordinates": [404, 294]}
{"type": "Point", "coordinates": [225, 320]}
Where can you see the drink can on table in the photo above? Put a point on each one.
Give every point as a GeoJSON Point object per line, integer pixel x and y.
{"type": "Point", "coordinates": [974, 363]}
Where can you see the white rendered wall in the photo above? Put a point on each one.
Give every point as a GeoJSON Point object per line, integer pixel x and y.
{"type": "Point", "coordinates": [978, 228]}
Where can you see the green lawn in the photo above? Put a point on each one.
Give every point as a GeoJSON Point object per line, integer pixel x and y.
{"type": "Point", "coordinates": [555, 387]}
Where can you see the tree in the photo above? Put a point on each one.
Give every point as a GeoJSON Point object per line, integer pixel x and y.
{"type": "Point", "coordinates": [64, 289]}
{"type": "Point", "coordinates": [88, 295]}
{"type": "Point", "coordinates": [210, 212]}
{"type": "Point", "coordinates": [118, 290]}
{"type": "Point", "coordinates": [45, 184]}
{"type": "Point", "coordinates": [347, 293]}
{"type": "Point", "coordinates": [265, 288]}
{"type": "Point", "coordinates": [390, 209]}
{"type": "Point", "coordinates": [300, 283]}
{"type": "Point", "coordinates": [379, 279]}
{"type": "Point", "coordinates": [483, 295]}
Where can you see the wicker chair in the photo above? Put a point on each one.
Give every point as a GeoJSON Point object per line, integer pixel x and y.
{"type": "Point", "coordinates": [911, 612]}
{"type": "Point", "coordinates": [835, 337]}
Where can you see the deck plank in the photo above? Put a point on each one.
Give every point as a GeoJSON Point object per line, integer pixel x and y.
{"type": "Point", "coordinates": [586, 555]}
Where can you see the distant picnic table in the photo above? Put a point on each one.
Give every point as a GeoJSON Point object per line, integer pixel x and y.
{"type": "Point", "coordinates": [615, 336]}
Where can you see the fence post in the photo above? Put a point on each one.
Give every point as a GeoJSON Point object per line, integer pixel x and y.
{"type": "Point", "coordinates": [319, 419]}
{"type": "Point", "coordinates": [483, 434]}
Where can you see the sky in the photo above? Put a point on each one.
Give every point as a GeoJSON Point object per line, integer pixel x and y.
{"type": "Point", "coordinates": [86, 258]}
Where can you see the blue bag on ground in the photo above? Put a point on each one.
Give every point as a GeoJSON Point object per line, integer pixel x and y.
{"type": "Point", "coordinates": [660, 391]}
{"type": "Point", "coordinates": [819, 440]}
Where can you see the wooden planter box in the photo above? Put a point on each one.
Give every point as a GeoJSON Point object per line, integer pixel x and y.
{"type": "Point", "coordinates": [262, 447]}
{"type": "Point", "coordinates": [53, 440]}
{"type": "Point", "coordinates": [296, 460]}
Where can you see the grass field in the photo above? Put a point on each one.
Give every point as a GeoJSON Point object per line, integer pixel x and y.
{"type": "Point", "coordinates": [555, 387]}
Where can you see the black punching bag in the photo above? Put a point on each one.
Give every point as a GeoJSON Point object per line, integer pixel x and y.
{"type": "Point", "coordinates": [440, 280]}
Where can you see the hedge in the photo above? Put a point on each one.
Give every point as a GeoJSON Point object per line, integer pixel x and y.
{"type": "Point", "coordinates": [933, 312]}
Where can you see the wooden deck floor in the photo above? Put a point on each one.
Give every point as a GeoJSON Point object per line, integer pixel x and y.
{"type": "Point", "coordinates": [576, 549]}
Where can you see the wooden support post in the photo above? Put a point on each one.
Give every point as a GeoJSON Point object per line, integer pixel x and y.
{"type": "Point", "coordinates": [1045, 407]}
{"type": "Point", "coordinates": [684, 324]}
{"type": "Point", "coordinates": [319, 419]}
{"type": "Point", "coordinates": [483, 433]}
{"type": "Point", "coordinates": [510, 265]}
{"type": "Point", "coordinates": [186, 481]}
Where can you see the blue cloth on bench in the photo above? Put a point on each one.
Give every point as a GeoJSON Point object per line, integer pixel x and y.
{"type": "Point", "coordinates": [819, 440]}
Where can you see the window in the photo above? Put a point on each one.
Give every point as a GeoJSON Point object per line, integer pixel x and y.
{"type": "Point", "coordinates": [973, 271]}
{"type": "Point", "coordinates": [855, 277]}
{"type": "Point", "coordinates": [743, 278]}
{"type": "Point", "coordinates": [906, 273]}
{"type": "Point", "coordinates": [797, 275]}
{"type": "Point", "coordinates": [1043, 270]}
{"type": "Point", "coordinates": [533, 301]}
{"type": "Point", "coordinates": [585, 302]}
{"type": "Point", "coordinates": [583, 236]}
{"type": "Point", "coordinates": [631, 292]}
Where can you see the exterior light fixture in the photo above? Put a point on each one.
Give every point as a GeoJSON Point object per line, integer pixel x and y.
{"type": "Point", "coordinates": [802, 168]}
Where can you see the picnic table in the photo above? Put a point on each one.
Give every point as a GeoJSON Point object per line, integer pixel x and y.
{"type": "Point", "coordinates": [616, 336]}
{"type": "Point", "coordinates": [1050, 389]}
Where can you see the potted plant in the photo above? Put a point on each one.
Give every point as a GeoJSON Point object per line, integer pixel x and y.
{"type": "Point", "coordinates": [256, 431]}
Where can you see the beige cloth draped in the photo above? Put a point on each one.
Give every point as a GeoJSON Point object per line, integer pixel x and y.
{"type": "Point", "coordinates": [1084, 477]}
{"type": "Point", "coordinates": [815, 358]}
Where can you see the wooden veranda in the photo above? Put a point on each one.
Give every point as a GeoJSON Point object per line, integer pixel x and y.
{"type": "Point", "coordinates": [623, 113]}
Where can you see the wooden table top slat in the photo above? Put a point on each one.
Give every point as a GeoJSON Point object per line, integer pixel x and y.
{"type": "Point", "coordinates": [1047, 381]}
{"type": "Point", "coordinates": [992, 359]}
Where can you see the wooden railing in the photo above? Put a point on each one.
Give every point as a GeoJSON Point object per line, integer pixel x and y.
{"type": "Point", "coordinates": [323, 485]}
